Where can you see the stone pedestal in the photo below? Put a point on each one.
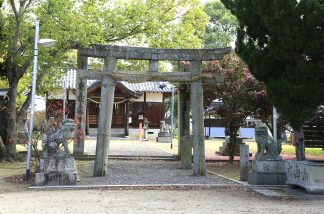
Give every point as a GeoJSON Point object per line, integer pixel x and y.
{"type": "Point", "coordinates": [309, 175]}
{"type": "Point", "coordinates": [56, 172]}
{"type": "Point", "coordinates": [223, 150]}
{"type": "Point", "coordinates": [267, 172]}
{"type": "Point", "coordinates": [164, 137]}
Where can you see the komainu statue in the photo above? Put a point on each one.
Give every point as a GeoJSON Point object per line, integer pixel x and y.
{"type": "Point", "coordinates": [164, 127]}
{"type": "Point", "coordinates": [57, 166]}
{"type": "Point", "coordinates": [268, 149]}
{"type": "Point", "coordinates": [57, 140]}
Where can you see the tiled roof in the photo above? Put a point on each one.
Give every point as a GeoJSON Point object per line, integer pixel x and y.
{"type": "Point", "coordinates": [149, 86]}
{"type": "Point", "coordinates": [165, 87]}
{"type": "Point", "coordinates": [70, 79]}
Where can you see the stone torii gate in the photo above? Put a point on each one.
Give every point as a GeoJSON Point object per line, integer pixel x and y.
{"type": "Point", "coordinates": [110, 75]}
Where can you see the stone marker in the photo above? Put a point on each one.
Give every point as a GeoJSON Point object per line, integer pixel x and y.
{"type": "Point", "coordinates": [244, 162]}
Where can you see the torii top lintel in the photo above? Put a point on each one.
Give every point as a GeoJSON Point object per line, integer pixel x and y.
{"type": "Point", "coordinates": [140, 53]}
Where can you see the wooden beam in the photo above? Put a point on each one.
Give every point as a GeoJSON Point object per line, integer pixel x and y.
{"type": "Point", "coordinates": [141, 76]}
{"type": "Point", "coordinates": [140, 53]}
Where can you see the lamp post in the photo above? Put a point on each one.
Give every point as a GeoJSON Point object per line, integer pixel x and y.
{"type": "Point", "coordinates": [44, 43]}
{"type": "Point", "coordinates": [274, 121]}
{"type": "Point", "coordinates": [64, 98]}
{"type": "Point", "coordinates": [172, 114]}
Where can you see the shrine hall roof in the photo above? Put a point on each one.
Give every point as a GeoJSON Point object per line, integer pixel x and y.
{"type": "Point", "coordinates": [164, 87]}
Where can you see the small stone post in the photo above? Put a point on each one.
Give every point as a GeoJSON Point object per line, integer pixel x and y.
{"type": "Point", "coordinates": [244, 162]}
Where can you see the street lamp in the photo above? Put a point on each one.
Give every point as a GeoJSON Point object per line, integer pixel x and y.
{"type": "Point", "coordinates": [64, 98]}
{"type": "Point", "coordinates": [44, 43]}
{"type": "Point", "coordinates": [172, 114]}
{"type": "Point", "coordinates": [274, 122]}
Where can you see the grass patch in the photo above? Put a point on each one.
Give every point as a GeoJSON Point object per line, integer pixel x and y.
{"type": "Point", "coordinates": [211, 146]}
{"type": "Point", "coordinates": [230, 170]}
{"type": "Point", "coordinates": [314, 151]}
{"type": "Point", "coordinates": [13, 170]}
{"type": "Point", "coordinates": [289, 149]}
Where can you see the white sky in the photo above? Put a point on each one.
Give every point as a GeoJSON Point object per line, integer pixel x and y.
{"type": "Point", "coordinates": [204, 1]}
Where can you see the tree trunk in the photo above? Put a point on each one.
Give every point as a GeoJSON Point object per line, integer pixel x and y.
{"type": "Point", "coordinates": [10, 141]}
{"type": "Point", "coordinates": [231, 146]}
{"type": "Point", "coordinates": [2, 150]}
{"type": "Point", "coordinates": [22, 114]}
{"type": "Point", "coordinates": [3, 134]}
{"type": "Point", "coordinates": [300, 145]}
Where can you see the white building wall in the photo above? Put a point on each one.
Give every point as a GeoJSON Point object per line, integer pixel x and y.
{"type": "Point", "coordinates": [59, 94]}
{"type": "Point", "coordinates": [151, 133]}
{"type": "Point", "coordinates": [150, 97]}
{"type": "Point", "coordinates": [40, 103]}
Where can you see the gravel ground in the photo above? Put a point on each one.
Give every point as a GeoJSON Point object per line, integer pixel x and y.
{"type": "Point", "coordinates": [146, 172]}
{"type": "Point", "coordinates": [141, 172]}
{"type": "Point", "coordinates": [126, 148]}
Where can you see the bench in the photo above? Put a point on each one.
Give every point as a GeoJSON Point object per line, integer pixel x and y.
{"type": "Point", "coordinates": [314, 134]}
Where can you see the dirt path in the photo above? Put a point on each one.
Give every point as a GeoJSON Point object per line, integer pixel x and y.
{"type": "Point", "coordinates": [150, 201]}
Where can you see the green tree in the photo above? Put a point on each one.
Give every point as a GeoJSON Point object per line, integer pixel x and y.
{"type": "Point", "coordinates": [221, 29]}
{"type": "Point", "coordinates": [80, 23]}
{"type": "Point", "coordinates": [239, 93]}
{"type": "Point", "coordinates": [238, 83]}
{"type": "Point", "coordinates": [282, 42]}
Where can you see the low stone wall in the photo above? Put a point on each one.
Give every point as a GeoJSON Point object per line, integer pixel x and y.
{"type": "Point", "coordinates": [267, 172]}
{"type": "Point", "coordinates": [151, 133]}
{"type": "Point", "coordinates": [309, 175]}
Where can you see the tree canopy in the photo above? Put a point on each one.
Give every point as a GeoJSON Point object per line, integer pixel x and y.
{"type": "Point", "coordinates": [282, 43]}
{"type": "Point", "coordinates": [241, 95]}
{"type": "Point", "coordinates": [72, 23]}
{"type": "Point", "coordinates": [221, 28]}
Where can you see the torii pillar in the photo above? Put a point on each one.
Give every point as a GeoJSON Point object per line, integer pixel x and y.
{"type": "Point", "coordinates": [80, 106]}
{"type": "Point", "coordinates": [105, 118]}
{"type": "Point", "coordinates": [197, 121]}
{"type": "Point", "coordinates": [184, 139]}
